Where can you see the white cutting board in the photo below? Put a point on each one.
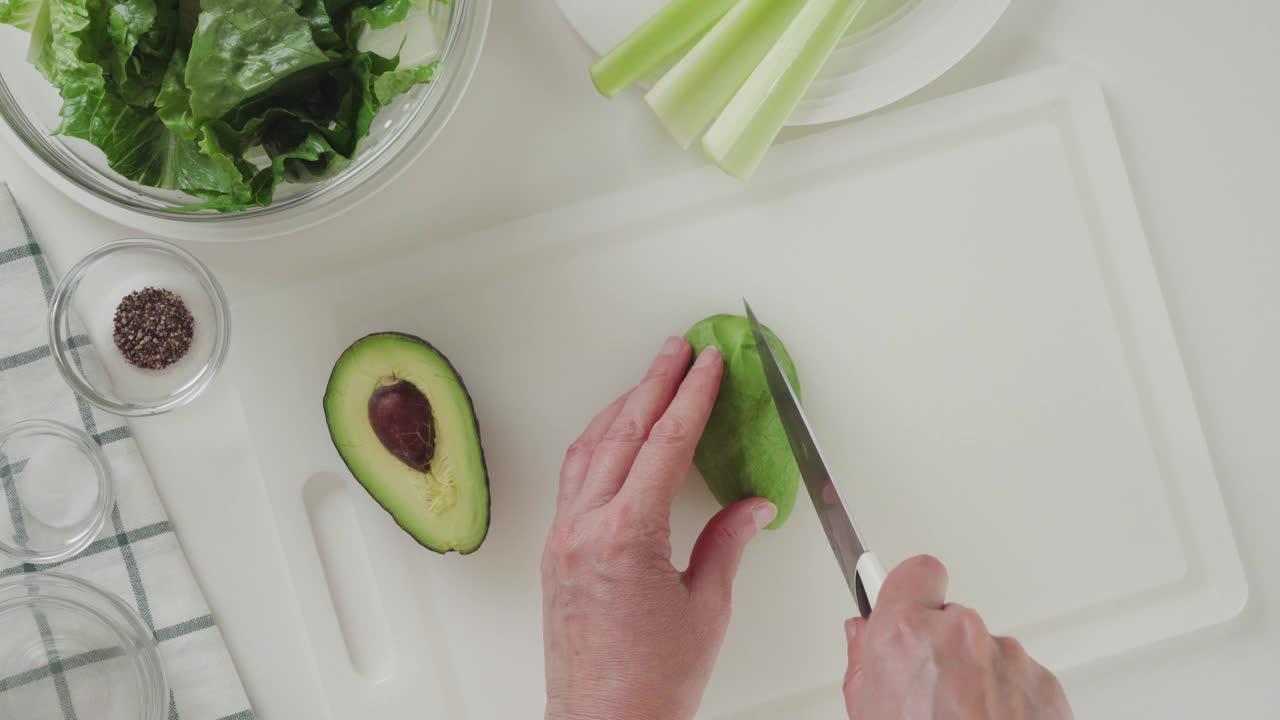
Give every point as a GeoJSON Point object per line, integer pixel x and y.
{"type": "Point", "coordinates": [968, 294]}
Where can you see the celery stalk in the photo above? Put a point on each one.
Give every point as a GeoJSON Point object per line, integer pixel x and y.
{"type": "Point", "coordinates": [690, 96]}
{"type": "Point", "coordinates": [741, 136]}
{"type": "Point", "coordinates": [675, 26]}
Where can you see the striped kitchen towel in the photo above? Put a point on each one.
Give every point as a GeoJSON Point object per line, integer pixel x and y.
{"type": "Point", "coordinates": [137, 556]}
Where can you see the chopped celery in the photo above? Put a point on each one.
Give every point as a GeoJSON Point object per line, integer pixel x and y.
{"type": "Point", "coordinates": [674, 27]}
{"type": "Point", "coordinates": [743, 133]}
{"type": "Point", "coordinates": [689, 97]}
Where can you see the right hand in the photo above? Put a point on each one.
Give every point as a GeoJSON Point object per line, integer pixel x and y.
{"type": "Point", "coordinates": [921, 658]}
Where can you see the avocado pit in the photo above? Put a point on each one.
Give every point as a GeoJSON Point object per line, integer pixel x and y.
{"type": "Point", "coordinates": [400, 415]}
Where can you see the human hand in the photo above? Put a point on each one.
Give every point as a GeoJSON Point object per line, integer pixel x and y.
{"type": "Point", "coordinates": [921, 658]}
{"type": "Point", "coordinates": [627, 635]}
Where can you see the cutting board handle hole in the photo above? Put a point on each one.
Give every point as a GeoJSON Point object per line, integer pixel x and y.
{"type": "Point", "coordinates": [353, 590]}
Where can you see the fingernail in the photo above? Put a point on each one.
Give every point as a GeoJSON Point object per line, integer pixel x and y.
{"type": "Point", "coordinates": [763, 514]}
{"type": "Point", "coordinates": [706, 357]}
{"type": "Point", "coordinates": [672, 346]}
{"type": "Point", "coordinates": [850, 629]}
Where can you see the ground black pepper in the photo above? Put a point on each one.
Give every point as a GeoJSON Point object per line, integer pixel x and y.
{"type": "Point", "coordinates": [153, 328]}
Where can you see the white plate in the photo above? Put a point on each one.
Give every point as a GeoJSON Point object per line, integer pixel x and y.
{"type": "Point", "coordinates": [967, 291]}
{"type": "Point", "coordinates": [893, 49]}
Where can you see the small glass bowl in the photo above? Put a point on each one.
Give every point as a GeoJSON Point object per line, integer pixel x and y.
{"type": "Point", "coordinates": [58, 491]}
{"type": "Point", "coordinates": [83, 311]}
{"type": "Point", "coordinates": [90, 642]}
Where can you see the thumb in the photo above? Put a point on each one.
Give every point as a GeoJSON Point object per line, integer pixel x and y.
{"type": "Point", "coordinates": [718, 551]}
{"type": "Point", "coordinates": [855, 631]}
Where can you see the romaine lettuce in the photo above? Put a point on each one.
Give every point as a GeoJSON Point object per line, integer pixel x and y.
{"type": "Point", "coordinates": [220, 99]}
{"type": "Point", "coordinates": [20, 13]}
{"type": "Point", "coordinates": [242, 48]}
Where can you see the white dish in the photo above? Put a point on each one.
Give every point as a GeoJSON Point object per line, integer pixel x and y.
{"type": "Point", "coordinates": [968, 293]}
{"type": "Point", "coordinates": [894, 48]}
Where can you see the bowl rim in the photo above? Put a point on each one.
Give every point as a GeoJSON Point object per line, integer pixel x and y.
{"type": "Point", "coordinates": [128, 626]}
{"type": "Point", "coordinates": [63, 354]}
{"type": "Point", "coordinates": [101, 468]}
{"type": "Point", "coordinates": [372, 172]}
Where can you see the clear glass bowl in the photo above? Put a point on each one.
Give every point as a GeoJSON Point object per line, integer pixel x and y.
{"type": "Point", "coordinates": [58, 489]}
{"type": "Point", "coordinates": [29, 106]}
{"type": "Point", "coordinates": [65, 640]}
{"type": "Point", "coordinates": [83, 312]}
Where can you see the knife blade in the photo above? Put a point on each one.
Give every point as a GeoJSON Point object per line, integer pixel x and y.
{"type": "Point", "coordinates": [862, 570]}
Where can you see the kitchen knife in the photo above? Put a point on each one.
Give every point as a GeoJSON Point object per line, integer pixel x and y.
{"type": "Point", "coordinates": [862, 569]}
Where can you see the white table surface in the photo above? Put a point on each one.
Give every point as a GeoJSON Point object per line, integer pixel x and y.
{"type": "Point", "coordinates": [1192, 92]}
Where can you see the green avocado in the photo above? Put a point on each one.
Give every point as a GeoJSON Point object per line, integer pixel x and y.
{"type": "Point", "coordinates": [404, 424]}
{"type": "Point", "coordinates": [744, 451]}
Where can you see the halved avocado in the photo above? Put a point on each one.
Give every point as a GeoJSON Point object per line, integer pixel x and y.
{"type": "Point", "coordinates": [404, 424]}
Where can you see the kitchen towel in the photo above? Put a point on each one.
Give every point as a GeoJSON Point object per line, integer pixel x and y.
{"type": "Point", "coordinates": [137, 556]}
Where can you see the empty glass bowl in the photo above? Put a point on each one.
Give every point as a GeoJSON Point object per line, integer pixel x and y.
{"type": "Point", "coordinates": [29, 106]}
{"type": "Point", "coordinates": [57, 494]}
{"type": "Point", "coordinates": [83, 311]}
{"type": "Point", "coordinates": [71, 649]}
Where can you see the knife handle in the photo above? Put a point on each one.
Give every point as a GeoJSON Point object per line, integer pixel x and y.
{"type": "Point", "coordinates": [868, 576]}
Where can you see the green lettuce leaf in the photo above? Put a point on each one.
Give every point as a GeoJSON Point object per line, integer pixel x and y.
{"type": "Point", "coordinates": [173, 101]}
{"type": "Point", "coordinates": [143, 36]}
{"type": "Point", "coordinates": [310, 159]}
{"type": "Point", "coordinates": [391, 85]}
{"type": "Point", "coordinates": [243, 47]}
{"type": "Point", "coordinates": [338, 100]}
{"type": "Point", "coordinates": [20, 13]}
{"type": "Point", "coordinates": [40, 50]}
{"type": "Point", "coordinates": [137, 144]}
{"type": "Point", "coordinates": [126, 24]}
{"type": "Point", "coordinates": [141, 148]}
{"type": "Point", "coordinates": [322, 29]}
{"type": "Point", "coordinates": [383, 15]}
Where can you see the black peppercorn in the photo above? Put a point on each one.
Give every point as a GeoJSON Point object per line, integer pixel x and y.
{"type": "Point", "coordinates": [153, 328]}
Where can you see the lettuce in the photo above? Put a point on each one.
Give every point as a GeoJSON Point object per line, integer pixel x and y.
{"type": "Point", "coordinates": [390, 85]}
{"type": "Point", "coordinates": [142, 34]}
{"type": "Point", "coordinates": [383, 15]}
{"type": "Point", "coordinates": [322, 30]}
{"type": "Point", "coordinates": [220, 99]}
{"type": "Point", "coordinates": [243, 47]}
{"type": "Point", "coordinates": [21, 14]}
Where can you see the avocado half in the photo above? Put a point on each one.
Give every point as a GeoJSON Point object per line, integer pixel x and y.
{"type": "Point", "coordinates": [404, 424]}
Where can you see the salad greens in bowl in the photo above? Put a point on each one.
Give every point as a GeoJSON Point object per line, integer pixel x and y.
{"type": "Point", "coordinates": [222, 111]}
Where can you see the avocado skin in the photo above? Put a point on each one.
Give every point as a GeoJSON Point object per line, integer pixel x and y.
{"type": "Point", "coordinates": [475, 430]}
{"type": "Point", "coordinates": [744, 451]}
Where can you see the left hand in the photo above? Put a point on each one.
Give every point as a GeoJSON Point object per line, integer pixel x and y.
{"type": "Point", "coordinates": [628, 636]}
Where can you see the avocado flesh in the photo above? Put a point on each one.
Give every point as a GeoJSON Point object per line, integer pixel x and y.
{"type": "Point", "coordinates": [445, 508]}
{"type": "Point", "coordinates": [744, 451]}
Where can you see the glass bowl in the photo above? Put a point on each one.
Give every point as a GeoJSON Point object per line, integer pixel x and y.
{"type": "Point", "coordinates": [83, 313]}
{"type": "Point", "coordinates": [58, 490]}
{"type": "Point", "coordinates": [65, 641]}
{"type": "Point", "coordinates": [29, 105]}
